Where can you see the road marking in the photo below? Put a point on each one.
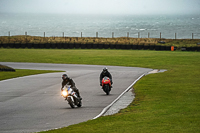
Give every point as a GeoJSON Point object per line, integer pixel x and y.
{"type": "Point", "coordinates": [106, 108]}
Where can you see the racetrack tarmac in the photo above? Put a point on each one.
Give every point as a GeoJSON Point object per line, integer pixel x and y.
{"type": "Point", "coordinates": [33, 103]}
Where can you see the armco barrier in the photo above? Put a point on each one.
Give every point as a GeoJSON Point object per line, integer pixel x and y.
{"type": "Point", "coordinates": [41, 45]}
{"type": "Point", "coordinates": [140, 47]}
{"type": "Point", "coordinates": [192, 48]}
{"type": "Point", "coordinates": [151, 47]}
{"type": "Point", "coordinates": [162, 48]}
{"type": "Point", "coordinates": [123, 46]}
{"type": "Point", "coordinates": [35, 45]}
{"type": "Point", "coordinates": [59, 45]}
{"type": "Point", "coordinates": [29, 45]}
{"type": "Point", "coordinates": [128, 46]}
{"type": "Point", "coordinates": [112, 46]}
{"type": "Point", "coordinates": [118, 46]}
{"type": "Point", "coordinates": [100, 46]}
{"type": "Point", "coordinates": [134, 47]}
{"type": "Point", "coordinates": [23, 45]}
{"type": "Point", "coordinates": [52, 45]}
{"type": "Point", "coordinates": [168, 48]}
{"type": "Point", "coordinates": [47, 45]}
{"type": "Point", "coordinates": [5, 45]}
{"type": "Point", "coordinates": [83, 46]}
{"type": "Point", "coordinates": [157, 47]}
{"type": "Point", "coordinates": [146, 47]}
{"type": "Point", "coordinates": [106, 46]}
{"type": "Point", "coordinates": [77, 45]}
{"type": "Point", "coordinates": [71, 45]}
{"type": "Point", "coordinates": [11, 45]}
{"type": "Point", "coordinates": [65, 46]}
{"type": "Point", "coordinates": [17, 45]}
{"type": "Point", "coordinates": [94, 46]}
{"type": "Point", "coordinates": [88, 45]}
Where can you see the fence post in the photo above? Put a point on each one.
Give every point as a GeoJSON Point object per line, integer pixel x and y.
{"type": "Point", "coordinates": [175, 36]}
{"type": "Point", "coordinates": [9, 36]}
{"type": "Point", "coordinates": [81, 34]}
{"type": "Point", "coordinates": [192, 35]}
{"type": "Point", "coordinates": [26, 36]}
{"type": "Point", "coordinates": [138, 34]}
{"type": "Point", "coordinates": [112, 34]}
{"type": "Point", "coordinates": [148, 34]}
{"type": "Point", "coordinates": [97, 34]}
{"type": "Point", "coordinates": [127, 34]}
{"type": "Point", "coordinates": [63, 34]}
{"type": "Point", "coordinates": [160, 35]}
{"type": "Point", "coordinates": [44, 34]}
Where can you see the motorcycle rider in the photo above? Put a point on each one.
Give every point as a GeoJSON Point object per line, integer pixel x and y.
{"type": "Point", "coordinates": [68, 81]}
{"type": "Point", "coordinates": [105, 73]}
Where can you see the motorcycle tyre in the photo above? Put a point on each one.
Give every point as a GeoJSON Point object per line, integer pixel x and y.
{"type": "Point", "coordinates": [79, 104]}
{"type": "Point", "coordinates": [71, 103]}
{"type": "Point", "coordinates": [107, 89]}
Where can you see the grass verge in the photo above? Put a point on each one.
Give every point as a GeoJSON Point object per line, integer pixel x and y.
{"type": "Point", "coordinates": [22, 72]}
{"type": "Point", "coordinates": [120, 40]}
{"type": "Point", "coordinates": [165, 102]}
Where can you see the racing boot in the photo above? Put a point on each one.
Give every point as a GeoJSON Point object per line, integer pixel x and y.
{"type": "Point", "coordinates": [79, 95]}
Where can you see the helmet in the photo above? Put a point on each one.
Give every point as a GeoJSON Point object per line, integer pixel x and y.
{"type": "Point", "coordinates": [105, 70]}
{"type": "Point", "coordinates": [64, 76]}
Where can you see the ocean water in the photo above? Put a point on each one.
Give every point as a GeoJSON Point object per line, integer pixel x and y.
{"type": "Point", "coordinates": [142, 26]}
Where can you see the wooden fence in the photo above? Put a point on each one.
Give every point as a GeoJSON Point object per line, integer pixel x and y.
{"type": "Point", "coordinates": [127, 35]}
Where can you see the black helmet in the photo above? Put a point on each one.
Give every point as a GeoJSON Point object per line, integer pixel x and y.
{"type": "Point", "coordinates": [64, 76]}
{"type": "Point", "coordinates": [105, 70]}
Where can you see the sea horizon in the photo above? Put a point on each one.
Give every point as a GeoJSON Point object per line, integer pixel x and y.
{"type": "Point", "coordinates": [169, 26]}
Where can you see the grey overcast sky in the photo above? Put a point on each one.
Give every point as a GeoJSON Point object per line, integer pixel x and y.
{"type": "Point", "coordinates": [102, 6]}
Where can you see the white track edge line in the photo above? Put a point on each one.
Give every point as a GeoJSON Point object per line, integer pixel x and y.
{"type": "Point", "coordinates": [106, 108]}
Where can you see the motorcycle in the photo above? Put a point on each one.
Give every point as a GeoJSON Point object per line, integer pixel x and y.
{"type": "Point", "coordinates": [71, 97]}
{"type": "Point", "coordinates": [106, 85]}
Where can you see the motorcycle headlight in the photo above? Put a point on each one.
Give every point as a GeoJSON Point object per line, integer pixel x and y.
{"type": "Point", "coordinates": [64, 93]}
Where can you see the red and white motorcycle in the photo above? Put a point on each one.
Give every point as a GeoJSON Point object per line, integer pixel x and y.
{"type": "Point", "coordinates": [106, 85]}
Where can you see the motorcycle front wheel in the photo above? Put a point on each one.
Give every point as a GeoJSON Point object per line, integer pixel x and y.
{"type": "Point", "coordinates": [71, 103]}
{"type": "Point", "coordinates": [79, 104]}
{"type": "Point", "coordinates": [107, 89]}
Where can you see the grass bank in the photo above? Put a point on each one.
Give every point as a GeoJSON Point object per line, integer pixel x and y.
{"type": "Point", "coordinates": [22, 39]}
{"type": "Point", "coordinates": [21, 72]}
{"type": "Point", "coordinates": [165, 102]}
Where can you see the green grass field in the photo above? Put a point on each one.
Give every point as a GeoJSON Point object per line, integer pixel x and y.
{"type": "Point", "coordinates": [165, 102]}
{"type": "Point", "coordinates": [22, 72]}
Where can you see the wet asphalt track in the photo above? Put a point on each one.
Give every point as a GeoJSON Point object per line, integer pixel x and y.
{"type": "Point", "coordinates": [33, 103]}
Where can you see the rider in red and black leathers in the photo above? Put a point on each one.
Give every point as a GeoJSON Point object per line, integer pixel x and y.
{"type": "Point", "coordinates": [103, 74]}
{"type": "Point", "coordinates": [69, 81]}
